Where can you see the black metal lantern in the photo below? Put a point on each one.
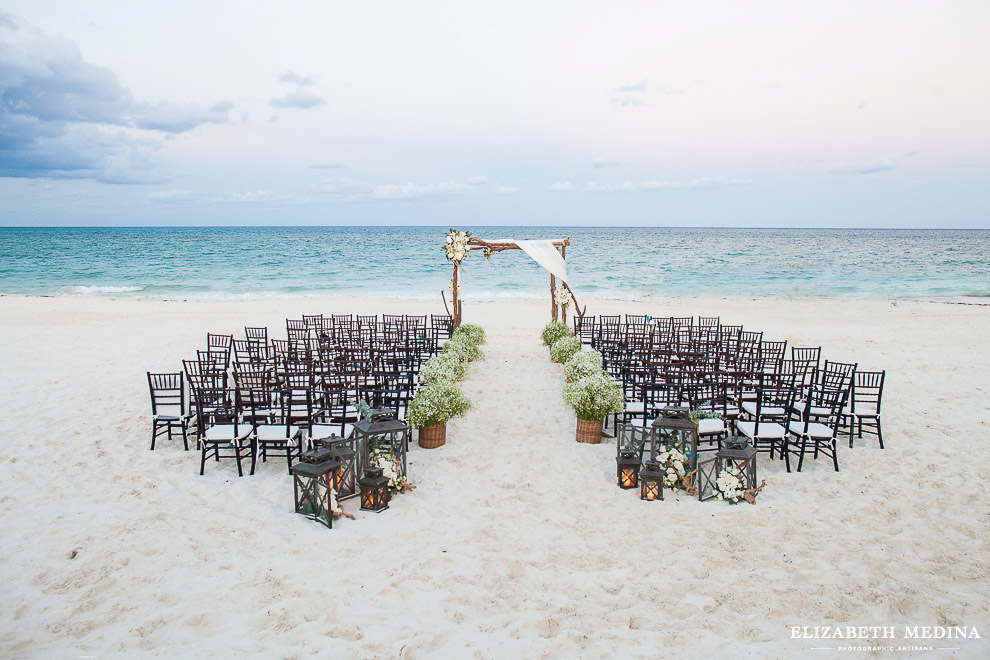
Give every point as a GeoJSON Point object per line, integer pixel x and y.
{"type": "Point", "coordinates": [651, 481]}
{"type": "Point", "coordinates": [386, 435]}
{"type": "Point", "coordinates": [675, 428]}
{"type": "Point", "coordinates": [343, 450]}
{"type": "Point", "coordinates": [313, 484]}
{"type": "Point", "coordinates": [374, 490]}
{"type": "Point", "coordinates": [627, 469]}
{"type": "Point", "coordinates": [740, 457]}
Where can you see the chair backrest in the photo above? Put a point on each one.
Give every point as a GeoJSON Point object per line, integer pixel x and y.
{"type": "Point", "coordinates": [807, 354]}
{"type": "Point", "coordinates": [256, 334]}
{"type": "Point", "coordinates": [443, 326]}
{"type": "Point", "coordinates": [708, 321]}
{"type": "Point", "coordinates": [836, 375]}
{"type": "Point", "coordinates": [167, 392]}
{"type": "Point", "coordinates": [708, 396]}
{"type": "Point", "coordinates": [217, 405]}
{"type": "Point", "coordinates": [829, 403]}
{"type": "Point", "coordinates": [776, 398]}
{"type": "Point", "coordinates": [313, 320]}
{"type": "Point", "coordinates": [867, 392]}
{"type": "Point", "coordinates": [682, 321]}
{"type": "Point", "coordinates": [218, 341]}
{"type": "Point", "coordinates": [295, 324]}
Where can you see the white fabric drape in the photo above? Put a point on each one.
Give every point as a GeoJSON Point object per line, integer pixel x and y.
{"type": "Point", "coordinates": [545, 254]}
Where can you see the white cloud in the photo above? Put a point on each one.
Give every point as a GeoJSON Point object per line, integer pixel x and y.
{"type": "Point", "coordinates": [477, 180]}
{"type": "Point", "coordinates": [297, 99]}
{"type": "Point", "coordinates": [635, 88]}
{"type": "Point", "coordinates": [564, 186]}
{"type": "Point", "coordinates": [293, 78]}
{"type": "Point", "coordinates": [172, 195]}
{"type": "Point", "coordinates": [410, 190]}
{"type": "Point", "coordinates": [880, 164]}
{"type": "Point", "coordinates": [599, 163]}
{"type": "Point", "coordinates": [505, 190]}
{"type": "Point", "coordinates": [656, 184]}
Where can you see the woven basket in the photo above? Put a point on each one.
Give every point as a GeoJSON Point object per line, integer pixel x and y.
{"type": "Point", "coordinates": [431, 437]}
{"type": "Point", "coordinates": [589, 431]}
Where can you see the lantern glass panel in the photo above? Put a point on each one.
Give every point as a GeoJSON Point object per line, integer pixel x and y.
{"type": "Point", "coordinates": [651, 481]}
{"type": "Point", "coordinates": [739, 457]}
{"type": "Point", "coordinates": [374, 490]}
{"type": "Point", "coordinates": [627, 470]}
{"type": "Point", "coordinates": [389, 435]}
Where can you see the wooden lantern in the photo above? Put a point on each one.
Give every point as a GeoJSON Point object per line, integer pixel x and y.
{"type": "Point", "coordinates": [374, 490]}
{"type": "Point", "coordinates": [387, 435]}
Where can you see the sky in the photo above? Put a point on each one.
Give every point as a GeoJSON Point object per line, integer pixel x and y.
{"type": "Point", "coordinates": [740, 113]}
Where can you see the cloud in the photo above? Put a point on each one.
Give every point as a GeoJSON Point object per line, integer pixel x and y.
{"type": "Point", "coordinates": [348, 190]}
{"type": "Point", "coordinates": [702, 183]}
{"type": "Point", "coordinates": [505, 190]}
{"type": "Point", "coordinates": [172, 195]}
{"type": "Point", "coordinates": [600, 163]}
{"type": "Point", "coordinates": [297, 99]}
{"type": "Point", "coordinates": [63, 117]}
{"type": "Point", "coordinates": [861, 105]}
{"type": "Point", "coordinates": [329, 166]}
{"type": "Point", "coordinates": [630, 95]}
{"type": "Point", "coordinates": [880, 164]}
{"type": "Point", "coordinates": [564, 186]}
{"type": "Point", "coordinates": [293, 78]}
{"type": "Point", "coordinates": [634, 88]}
{"type": "Point", "coordinates": [908, 154]}
{"type": "Point", "coordinates": [477, 180]}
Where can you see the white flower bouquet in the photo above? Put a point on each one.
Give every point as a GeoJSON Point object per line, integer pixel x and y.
{"type": "Point", "coordinates": [729, 487]}
{"type": "Point", "coordinates": [391, 469]}
{"type": "Point", "coordinates": [594, 397]}
{"type": "Point", "coordinates": [673, 464]}
{"type": "Point", "coordinates": [562, 297]}
{"type": "Point", "coordinates": [456, 247]}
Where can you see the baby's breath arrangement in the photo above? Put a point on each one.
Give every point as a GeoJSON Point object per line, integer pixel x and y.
{"type": "Point", "coordinates": [553, 331]}
{"type": "Point", "coordinates": [443, 367]}
{"type": "Point", "coordinates": [562, 349]}
{"type": "Point", "coordinates": [595, 396]}
{"type": "Point", "coordinates": [472, 331]}
{"type": "Point", "coordinates": [437, 403]}
{"type": "Point", "coordinates": [463, 347]}
{"type": "Point", "coordinates": [581, 364]}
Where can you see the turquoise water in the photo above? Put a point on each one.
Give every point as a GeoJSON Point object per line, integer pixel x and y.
{"type": "Point", "coordinates": [216, 263]}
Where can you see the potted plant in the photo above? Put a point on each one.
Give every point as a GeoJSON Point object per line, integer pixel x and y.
{"type": "Point", "coordinates": [593, 398]}
{"type": "Point", "coordinates": [433, 406]}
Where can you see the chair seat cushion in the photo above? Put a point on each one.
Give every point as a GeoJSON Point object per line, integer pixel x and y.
{"type": "Point", "coordinates": [274, 433]}
{"type": "Point", "coordinates": [815, 430]}
{"type": "Point", "coordinates": [226, 432]}
{"type": "Point", "coordinates": [635, 407]}
{"type": "Point", "coordinates": [765, 411]}
{"type": "Point", "coordinates": [711, 426]}
{"type": "Point", "coordinates": [766, 430]}
{"type": "Point", "coordinates": [322, 431]}
{"type": "Point", "coordinates": [169, 418]}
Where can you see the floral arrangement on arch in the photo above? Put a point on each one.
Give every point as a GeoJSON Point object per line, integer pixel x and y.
{"type": "Point", "coordinates": [456, 247]}
{"type": "Point", "coordinates": [562, 297]}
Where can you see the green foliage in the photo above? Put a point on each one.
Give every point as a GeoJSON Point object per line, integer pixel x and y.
{"type": "Point", "coordinates": [594, 397]}
{"type": "Point", "coordinates": [562, 349]}
{"type": "Point", "coordinates": [437, 403]}
{"type": "Point", "coordinates": [553, 331]}
{"type": "Point", "coordinates": [581, 364]}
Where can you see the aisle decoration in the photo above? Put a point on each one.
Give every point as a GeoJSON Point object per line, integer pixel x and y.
{"type": "Point", "coordinates": [440, 399]}
{"type": "Point", "coordinates": [564, 349]}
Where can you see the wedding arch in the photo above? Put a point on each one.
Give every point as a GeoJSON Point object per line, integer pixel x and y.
{"type": "Point", "coordinates": [551, 254]}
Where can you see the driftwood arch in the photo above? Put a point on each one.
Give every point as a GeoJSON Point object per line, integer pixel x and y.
{"type": "Point", "coordinates": [491, 247]}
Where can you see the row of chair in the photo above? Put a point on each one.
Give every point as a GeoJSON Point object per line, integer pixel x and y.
{"type": "Point", "coordinates": [287, 395]}
{"type": "Point", "coordinates": [739, 382]}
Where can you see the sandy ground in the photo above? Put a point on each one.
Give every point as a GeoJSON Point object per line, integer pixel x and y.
{"type": "Point", "coordinates": [516, 542]}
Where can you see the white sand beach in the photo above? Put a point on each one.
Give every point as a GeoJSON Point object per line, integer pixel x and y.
{"type": "Point", "coordinates": [516, 542]}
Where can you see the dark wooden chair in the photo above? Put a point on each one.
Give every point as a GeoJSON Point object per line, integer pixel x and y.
{"type": "Point", "coordinates": [168, 407]}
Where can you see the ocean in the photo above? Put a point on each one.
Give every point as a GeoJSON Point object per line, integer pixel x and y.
{"type": "Point", "coordinates": [231, 263]}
